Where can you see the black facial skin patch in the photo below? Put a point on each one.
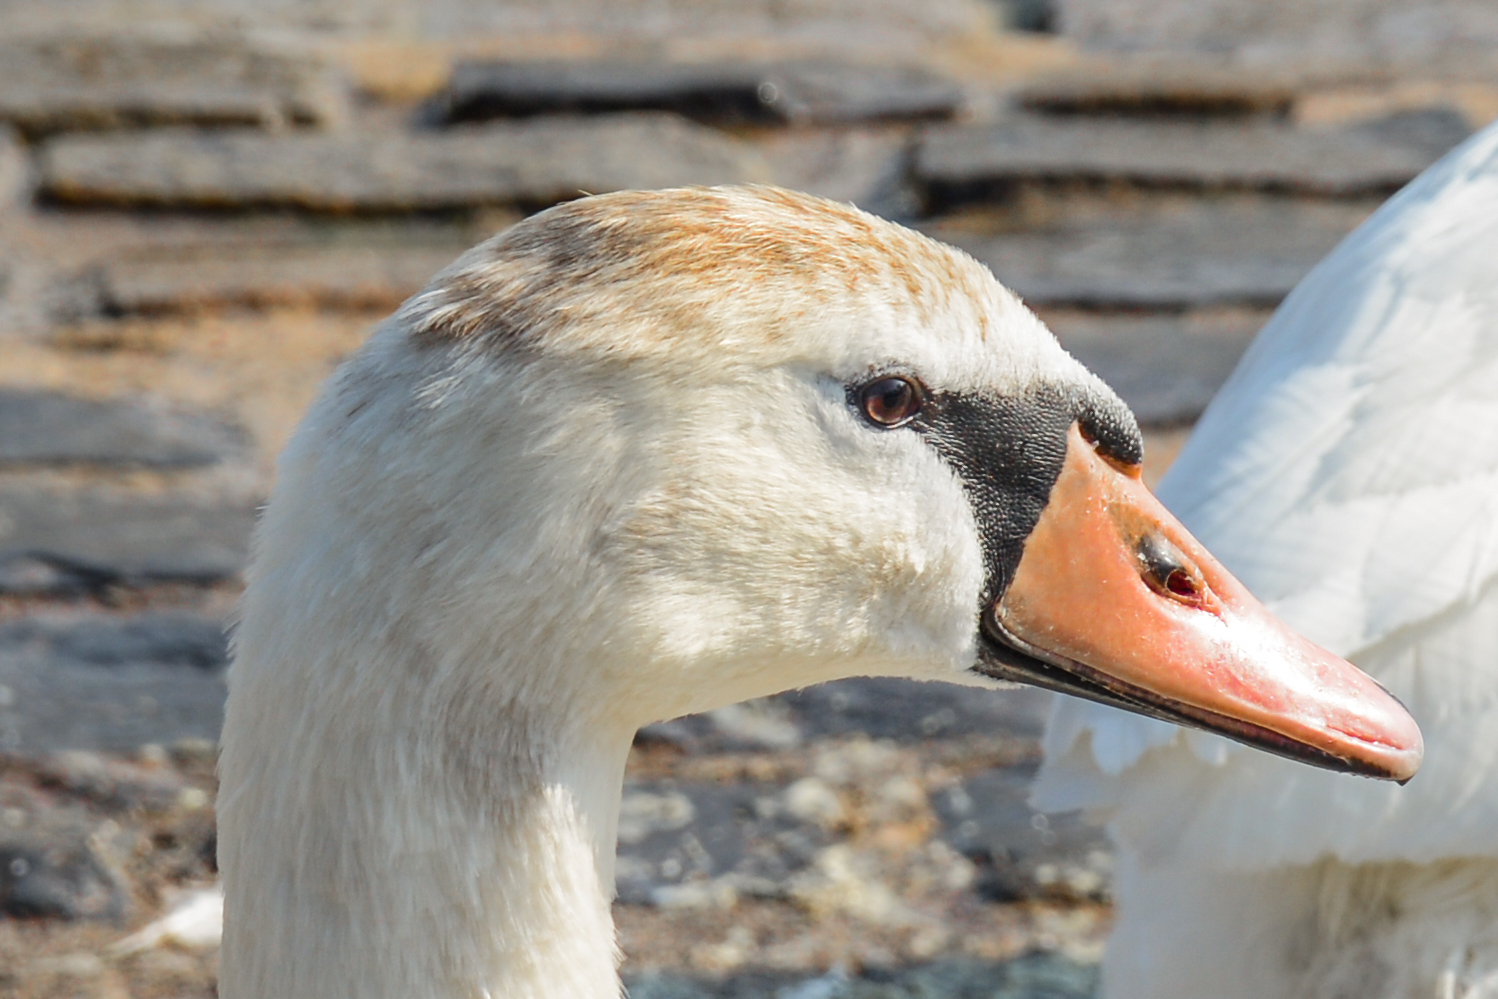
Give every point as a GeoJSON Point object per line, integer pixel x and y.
{"type": "Point", "coordinates": [1008, 450]}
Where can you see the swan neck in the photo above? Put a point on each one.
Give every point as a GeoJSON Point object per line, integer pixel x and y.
{"type": "Point", "coordinates": [480, 872]}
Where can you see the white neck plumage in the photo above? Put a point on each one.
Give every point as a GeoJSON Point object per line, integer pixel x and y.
{"type": "Point", "coordinates": [451, 869]}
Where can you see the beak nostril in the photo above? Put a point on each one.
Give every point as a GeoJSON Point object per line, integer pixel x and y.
{"type": "Point", "coordinates": [1167, 571]}
{"type": "Point", "coordinates": [1181, 584]}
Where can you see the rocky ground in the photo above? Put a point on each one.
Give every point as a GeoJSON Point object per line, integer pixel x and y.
{"type": "Point", "coordinates": [199, 216]}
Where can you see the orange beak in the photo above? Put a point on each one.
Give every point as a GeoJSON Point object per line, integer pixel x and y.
{"type": "Point", "coordinates": [1118, 603]}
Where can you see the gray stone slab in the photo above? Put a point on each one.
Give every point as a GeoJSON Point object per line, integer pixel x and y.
{"type": "Point", "coordinates": [109, 683]}
{"type": "Point", "coordinates": [120, 81]}
{"type": "Point", "coordinates": [1162, 86]}
{"type": "Point", "coordinates": [1023, 853]}
{"type": "Point", "coordinates": [1442, 37]}
{"type": "Point", "coordinates": [270, 276]}
{"type": "Point", "coordinates": [1433, 131]}
{"type": "Point", "coordinates": [716, 92]}
{"type": "Point", "coordinates": [1209, 253]}
{"type": "Point", "coordinates": [40, 428]}
{"type": "Point", "coordinates": [16, 175]}
{"type": "Point", "coordinates": [911, 711]}
{"type": "Point", "coordinates": [110, 534]}
{"type": "Point", "coordinates": [826, 93]}
{"type": "Point", "coordinates": [1028, 15]}
{"type": "Point", "coordinates": [759, 839]}
{"type": "Point", "coordinates": [737, 834]}
{"type": "Point", "coordinates": [1166, 367]}
{"type": "Point", "coordinates": [1033, 976]}
{"type": "Point", "coordinates": [48, 880]}
{"type": "Point", "coordinates": [881, 708]}
{"type": "Point", "coordinates": [534, 162]}
{"type": "Point", "coordinates": [161, 638]}
{"type": "Point", "coordinates": [27, 283]}
{"type": "Point", "coordinates": [905, 26]}
{"type": "Point", "coordinates": [964, 162]}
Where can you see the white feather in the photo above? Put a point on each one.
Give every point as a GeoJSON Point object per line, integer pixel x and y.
{"type": "Point", "coordinates": [1348, 475]}
{"type": "Point", "coordinates": [195, 921]}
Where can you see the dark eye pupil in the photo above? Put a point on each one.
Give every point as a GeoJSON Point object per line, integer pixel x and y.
{"type": "Point", "coordinates": [890, 400]}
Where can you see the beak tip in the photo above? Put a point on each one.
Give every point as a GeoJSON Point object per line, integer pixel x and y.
{"type": "Point", "coordinates": [1410, 760]}
{"type": "Point", "coordinates": [1402, 771]}
{"type": "Point", "coordinates": [1398, 755]}
{"type": "Point", "coordinates": [1399, 741]}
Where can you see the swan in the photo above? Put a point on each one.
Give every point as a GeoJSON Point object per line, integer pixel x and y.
{"type": "Point", "coordinates": [1348, 473]}
{"type": "Point", "coordinates": [647, 454]}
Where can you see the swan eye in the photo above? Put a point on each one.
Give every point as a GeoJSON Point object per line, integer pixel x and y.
{"type": "Point", "coordinates": [889, 402]}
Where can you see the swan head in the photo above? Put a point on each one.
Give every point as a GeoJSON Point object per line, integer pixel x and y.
{"type": "Point", "coordinates": [646, 454]}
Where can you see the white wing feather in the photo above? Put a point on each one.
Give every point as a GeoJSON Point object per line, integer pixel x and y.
{"type": "Point", "coordinates": [1347, 473]}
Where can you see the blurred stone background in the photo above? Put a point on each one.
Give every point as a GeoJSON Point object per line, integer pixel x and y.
{"type": "Point", "coordinates": [204, 204]}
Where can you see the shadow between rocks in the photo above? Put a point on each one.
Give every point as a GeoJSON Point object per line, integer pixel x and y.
{"type": "Point", "coordinates": [1033, 976]}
